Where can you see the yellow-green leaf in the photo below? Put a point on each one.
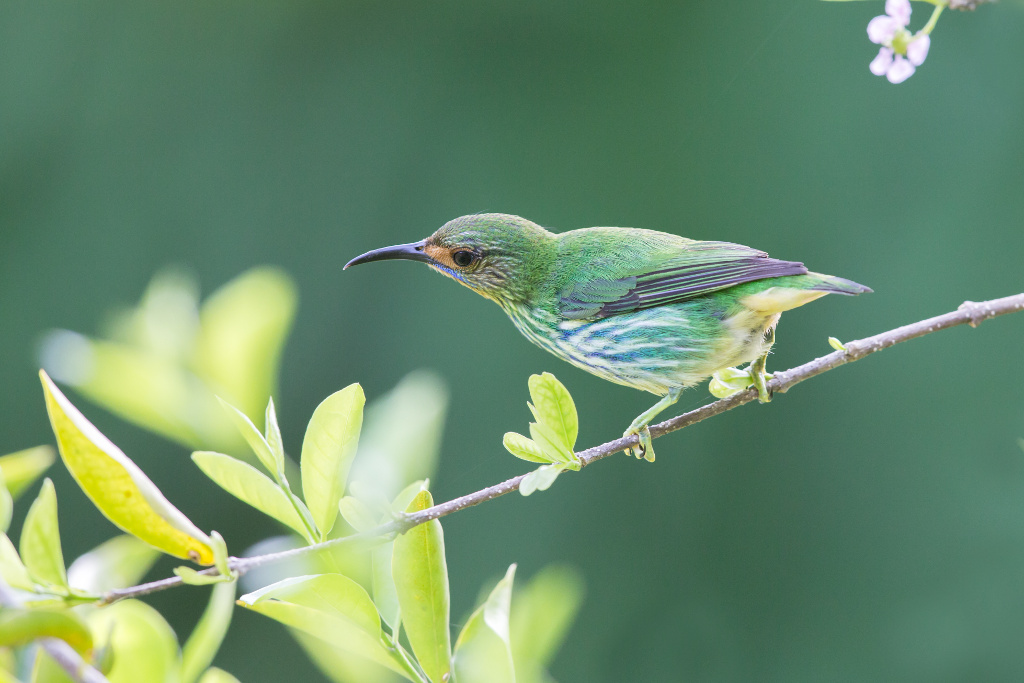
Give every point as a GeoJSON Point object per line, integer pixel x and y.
{"type": "Point", "coordinates": [6, 505]}
{"type": "Point", "coordinates": [357, 514]}
{"type": "Point", "coordinates": [116, 485]}
{"type": "Point", "coordinates": [401, 435]}
{"type": "Point", "coordinates": [119, 562]}
{"type": "Point", "coordinates": [331, 607]}
{"type": "Point", "coordinates": [327, 451]}
{"type": "Point", "coordinates": [22, 626]}
{"type": "Point", "coordinates": [193, 578]}
{"type": "Point", "coordinates": [252, 436]}
{"type": "Point", "coordinates": [544, 611]}
{"type": "Point", "coordinates": [273, 432]}
{"type": "Point", "coordinates": [21, 468]}
{"type": "Point", "coordinates": [11, 568]}
{"type": "Point", "coordinates": [549, 443]}
{"type": "Point", "coordinates": [421, 581]}
{"type": "Point", "coordinates": [524, 447]}
{"type": "Point", "coordinates": [483, 652]}
{"type": "Point", "coordinates": [206, 638]}
{"type": "Point", "coordinates": [251, 486]}
{"type": "Point", "coordinates": [215, 675]}
{"type": "Point", "coordinates": [40, 540]}
{"type": "Point", "coordinates": [541, 478]}
{"type": "Point", "coordinates": [555, 408]}
{"type": "Point", "coordinates": [243, 327]}
{"type": "Point", "coordinates": [144, 645]}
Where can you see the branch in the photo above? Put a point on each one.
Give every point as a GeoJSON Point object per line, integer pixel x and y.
{"type": "Point", "coordinates": [62, 653]}
{"type": "Point", "coordinates": [969, 313]}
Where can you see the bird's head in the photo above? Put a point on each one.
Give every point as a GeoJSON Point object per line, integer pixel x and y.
{"type": "Point", "coordinates": [497, 255]}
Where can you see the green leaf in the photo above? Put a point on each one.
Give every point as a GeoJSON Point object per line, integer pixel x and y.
{"type": "Point", "coordinates": [215, 675]}
{"type": "Point", "coordinates": [143, 644]}
{"type": "Point", "coordinates": [11, 568]}
{"type": "Point", "coordinates": [421, 581]}
{"type": "Point", "coordinates": [406, 495]}
{"type": "Point", "coordinates": [21, 468]}
{"type": "Point", "coordinates": [483, 652]}
{"type": "Point", "coordinates": [382, 582]}
{"type": "Point", "coordinates": [116, 485]}
{"type": "Point", "coordinates": [243, 327]}
{"type": "Point", "coordinates": [544, 611]}
{"type": "Point", "coordinates": [555, 408]}
{"type": "Point", "coordinates": [143, 387]}
{"type": "Point", "coordinates": [729, 381]}
{"type": "Point", "coordinates": [251, 486]}
{"type": "Point", "coordinates": [40, 540]}
{"type": "Point", "coordinates": [206, 638]}
{"type": "Point", "coordinates": [22, 626]}
{"type": "Point", "coordinates": [541, 478]}
{"type": "Point", "coordinates": [193, 578]}
{"type": "Point", "coordinates": [331, 607]}
{"type": "Point", "coordinates": [548, 442]}
{"type": "Point", "coordinates": [523, 447]}
{"type": "Point", "coordinates": [341, 666]}
{"type": "Point", "coordinates": [252, 436]}
{"type": "Point", "coordinates": [357, 514]}
{"type": "Point", "coordinates": [6, 505]}
{"type": "Point", "coordinates": [327, 452]}
{"type": "Point", "coordinates": [833, 342]}
{"type": "Point", "coordinates": [401, 436]}
{"type": "Point", "coordinates": [119, 562]}
{"type": "Point", "coordinates": [273, 432]}
{"type": "Point", "coordinates": [385, 595]}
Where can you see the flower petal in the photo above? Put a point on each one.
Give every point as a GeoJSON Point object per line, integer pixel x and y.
{"type": "Point", "coordinates": [900, 70]}
{"type": "Point", "coordinates": [917, 49]}
{"type": "Point", "coordinates": [881, 30]}
{"type": "Point", "coordinates": [880, 64]}
{"type": "Point", "coordinates": [898, 10]}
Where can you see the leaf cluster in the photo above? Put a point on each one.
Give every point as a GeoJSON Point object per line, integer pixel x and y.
{"type": "Point", "coordinates": [552, 440]}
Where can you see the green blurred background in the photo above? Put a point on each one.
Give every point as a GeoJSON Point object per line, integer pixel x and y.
{"type": "Point", "coordinates": [867, 526]}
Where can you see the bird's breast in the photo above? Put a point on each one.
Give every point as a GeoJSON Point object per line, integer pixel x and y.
{"type": "Point", "coordinates": [652, 350]}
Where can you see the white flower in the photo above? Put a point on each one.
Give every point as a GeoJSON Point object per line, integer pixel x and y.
{"type": "Point", "coordinates": [901, 52]}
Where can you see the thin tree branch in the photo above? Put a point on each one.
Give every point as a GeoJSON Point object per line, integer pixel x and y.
{"type": "Point", "coordinates": [969, 313]}
{"type": "Point", "coordinates": [62, 653]}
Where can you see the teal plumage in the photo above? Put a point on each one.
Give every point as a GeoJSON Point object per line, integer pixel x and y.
{"type": "Point", "coordinates": [645, 309]}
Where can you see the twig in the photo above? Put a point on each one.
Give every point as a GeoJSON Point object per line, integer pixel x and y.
{"type": "Point", "coordinates": [62, 653]}
{"type": "Point", "coordinates": [969, 313]}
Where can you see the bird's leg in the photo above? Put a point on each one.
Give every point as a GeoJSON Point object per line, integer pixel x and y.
{"type": "Point", "coordinates": [757, 368]}
{"type": "Point", "coordinates": [640, 425]}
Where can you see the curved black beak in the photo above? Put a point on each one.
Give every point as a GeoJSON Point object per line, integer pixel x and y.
{"type": "Point", "coordinates": [410, 252]}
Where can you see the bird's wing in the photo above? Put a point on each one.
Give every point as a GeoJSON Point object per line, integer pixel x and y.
{"type": "Point", "coordinates": [700, 268]}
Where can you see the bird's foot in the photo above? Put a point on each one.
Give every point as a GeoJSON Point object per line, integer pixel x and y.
{"type": "Point", "coordinates": [644, 449]}
{"type": "Point", "coordinates": [758, 377]}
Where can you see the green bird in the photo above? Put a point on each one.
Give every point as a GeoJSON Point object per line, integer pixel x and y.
{"type": "Point", "coordinates": [650, 310]}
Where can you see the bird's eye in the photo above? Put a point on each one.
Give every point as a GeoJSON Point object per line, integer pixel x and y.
{"type": "Point", "coordinates": [463, 258]}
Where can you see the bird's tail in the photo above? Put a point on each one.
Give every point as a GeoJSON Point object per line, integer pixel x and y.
{"type": "Point", "coordinates": [797, 290]}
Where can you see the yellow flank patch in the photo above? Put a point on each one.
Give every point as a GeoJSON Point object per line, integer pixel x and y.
{"type": "Point", "coordinates": [779, 299]}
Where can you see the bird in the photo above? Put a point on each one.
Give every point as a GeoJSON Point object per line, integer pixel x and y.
{"type": "Point", "coordinates": [646, 309]}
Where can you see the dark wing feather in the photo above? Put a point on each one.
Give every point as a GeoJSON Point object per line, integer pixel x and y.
{"type": "Point", "coordinates": [705, 267]}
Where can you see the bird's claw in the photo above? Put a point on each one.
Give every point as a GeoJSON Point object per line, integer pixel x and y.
{"type": "Point", "coordinates": [645, 448]}
{"type": "Point", "coordinates": [764, 394]}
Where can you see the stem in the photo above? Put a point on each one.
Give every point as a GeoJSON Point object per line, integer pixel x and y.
{"type": "Point", "coordinates": [403, 656]}
{"type": "Point", "coordinates": [939, 6]}
{"type": "Point", "coordinates": [312, 534]}
{"type": "Point", "coordinates": [968, 313]}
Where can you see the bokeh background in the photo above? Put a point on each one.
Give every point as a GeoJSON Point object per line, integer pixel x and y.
{"type": "Point", "coordinates": [869, 525]}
